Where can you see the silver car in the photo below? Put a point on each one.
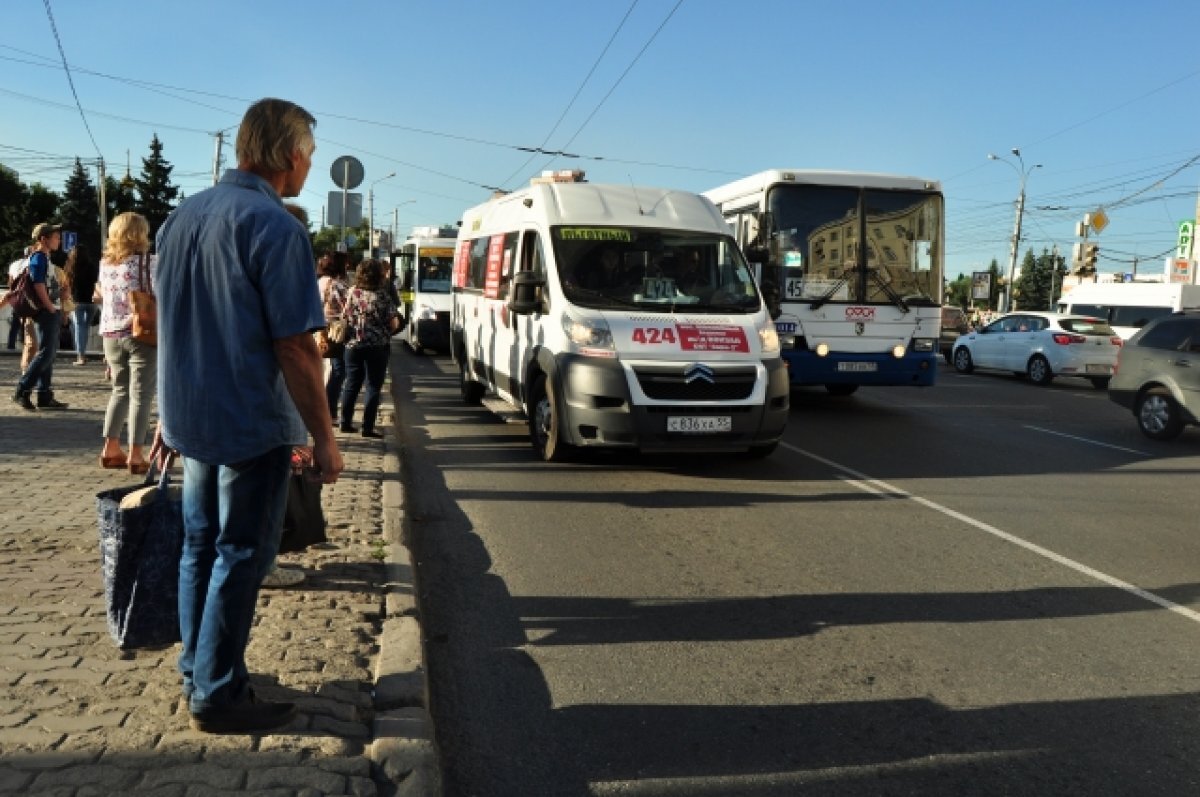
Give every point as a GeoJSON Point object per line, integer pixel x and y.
{"type": "Point", "coordinates": [1158, 375]}
{"type": "Point", "coordinates": [1041, 346]}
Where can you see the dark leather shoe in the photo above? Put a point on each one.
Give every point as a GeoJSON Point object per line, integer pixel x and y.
{"type": "Point", "coordinates": [245, 716]}
{"type": "Point", "coordinates": [372, 434]}
{"type": "Point", "coordinates": [345, 427]}
{"type": "Point", "coordinates": [23, 400]}
{"type": "Point", "coordinates": [48, 402]}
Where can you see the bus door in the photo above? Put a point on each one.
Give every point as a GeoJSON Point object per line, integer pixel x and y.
{"type": "Point", "coordinates": [528, 330]}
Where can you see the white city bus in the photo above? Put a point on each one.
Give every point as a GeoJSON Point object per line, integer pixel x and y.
{"type": "Point", "coordinates": [424, 264]}
{"type": "Point", "coordinates": [616, 316]}
{"type": "Point", "coordinates": [851, 266]}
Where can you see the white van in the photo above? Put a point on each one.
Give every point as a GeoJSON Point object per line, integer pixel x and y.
{"type": "Point", "coordinates": [616, 316]}
{"type": "Point", "coordinates": [423, 266]}
{"type": "Point", "coordinates": [1129, 306]}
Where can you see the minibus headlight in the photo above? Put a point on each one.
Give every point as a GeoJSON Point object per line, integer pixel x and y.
{"type": "Point", "coordinates": [587, 333]}
{"type": "Point", "coordinates": [768, 337]}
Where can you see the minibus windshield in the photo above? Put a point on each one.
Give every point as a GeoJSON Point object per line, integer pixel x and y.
{"type": "Point", "coordinates": [659, 270]}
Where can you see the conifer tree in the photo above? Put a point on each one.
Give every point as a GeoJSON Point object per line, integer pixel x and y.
{"type": "Point", "coordinates": [119, 195]}
{"type": "Point", "coordinates": [156, 195]}
{"type": "Point", "coordinates": [79, 211]}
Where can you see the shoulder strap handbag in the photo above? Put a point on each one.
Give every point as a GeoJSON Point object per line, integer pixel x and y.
{"type": "Point", "coordinates": [339, 327]}
{"type": "Point", "coordinates": [144, 306]}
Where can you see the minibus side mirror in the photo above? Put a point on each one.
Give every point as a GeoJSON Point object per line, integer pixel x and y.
{"type": "Point", "coordinates": [524, 295]}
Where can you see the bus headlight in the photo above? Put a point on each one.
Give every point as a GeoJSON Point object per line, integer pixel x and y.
{"type": "Point", "coordinates": [898, 351]}
{"type": "Point", "coordinates": [924, 344]}
{"type": "Point", "coordinates": [588, 333]}
{"type": "Point", "coordinates": [768, 337]}
{"type": "Point", "coordinates": [822, 349]}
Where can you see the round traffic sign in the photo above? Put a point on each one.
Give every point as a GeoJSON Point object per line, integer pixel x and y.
{"type": "Point", "coordinates": [347, 172]}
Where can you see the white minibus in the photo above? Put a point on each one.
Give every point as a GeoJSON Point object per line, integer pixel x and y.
{"type": "Point", "coordinates": [616, 316]}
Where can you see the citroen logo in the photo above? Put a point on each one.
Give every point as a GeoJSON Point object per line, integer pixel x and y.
{"type": "Point", "coordinates": [697, 371]}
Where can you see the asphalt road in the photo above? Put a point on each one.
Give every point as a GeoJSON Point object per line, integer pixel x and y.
{"type": "Point", "coordinates": [981, 588]}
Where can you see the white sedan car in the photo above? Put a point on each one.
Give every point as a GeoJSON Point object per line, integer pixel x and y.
{"type": "Point", "coordinates": [1042, 346]}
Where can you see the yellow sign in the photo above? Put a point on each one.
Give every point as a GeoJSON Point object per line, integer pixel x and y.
{"type": "Point", "coordinates": [437, 251]}
{"type": "Point", "coordinates": [594, 234]}
{"type": "Point", "coordinates": [1099, 220]}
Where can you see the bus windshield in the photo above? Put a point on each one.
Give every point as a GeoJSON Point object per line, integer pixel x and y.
{"type": "Point", "coordinates": [434, 272]}
{"type": "Point", "coordinates": [607, 268]}
{"type": "Point", "coordinates": [833, 243]}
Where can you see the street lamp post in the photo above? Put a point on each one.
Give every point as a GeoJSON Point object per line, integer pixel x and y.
{"type": "Point", "coordinates": [396, 219]}
{"type": "Point", "coordinates": [1053, 273]}
{"type": "Point", "coordinates": [1023, 173]}
{"type": "Point", "coordinates": [371, 215]}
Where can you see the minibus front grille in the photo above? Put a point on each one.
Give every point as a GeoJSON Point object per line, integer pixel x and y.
{"type": "Point", "coordinates": [672, 384]}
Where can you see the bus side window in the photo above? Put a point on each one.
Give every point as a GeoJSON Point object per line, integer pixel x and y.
{"type": "Point", "coordinates": [534, 259]}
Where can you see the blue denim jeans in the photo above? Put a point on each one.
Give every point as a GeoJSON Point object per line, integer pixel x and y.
{"type": "Point", "coordinates": [333, 387]}
{"type": "Point", "coordinates": [232, 519]}
{"type": "Point", "coordinates": [367, 363]}
{"type": "Point", "coordinates": [40, 372]}
{"type": "Point", "coordinates": [81, 318]}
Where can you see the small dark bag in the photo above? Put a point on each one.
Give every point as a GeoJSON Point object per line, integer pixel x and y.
{"type": "Point", "coordinates": [303, 518]}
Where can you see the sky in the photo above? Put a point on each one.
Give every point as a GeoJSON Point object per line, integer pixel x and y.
{"type": "Point", "coordinates": [440, 100]}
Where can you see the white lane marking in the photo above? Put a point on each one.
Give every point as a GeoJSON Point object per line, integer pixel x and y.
{"type": "Point", "coordinates": [1088, 440]}
{"type": "Point", "coordinates": [1046, 553]}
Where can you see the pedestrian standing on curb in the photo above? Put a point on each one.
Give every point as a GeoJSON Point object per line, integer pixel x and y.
{"type": "Point", "coordinates": [239, 380]}
{"type": "Point", "coordinates": [334, 286]}
{"type": "Point", "coordinates": [39, 374]}
{"type": "Point", "coordinates": [82, 274]}
{"type": "Point", "coordinates": [373, 318]}
{"type": "Point", "coordinates": [132, 363]}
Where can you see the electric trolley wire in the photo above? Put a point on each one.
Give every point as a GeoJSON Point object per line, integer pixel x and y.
{"type": "Point", "coordinates": [578, 91]}
{"type": "Point", "coordinates": [70, 80]}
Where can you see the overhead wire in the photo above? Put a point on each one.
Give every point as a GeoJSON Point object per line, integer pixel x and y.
{"type": "Point", "coordinates": [70, 80]}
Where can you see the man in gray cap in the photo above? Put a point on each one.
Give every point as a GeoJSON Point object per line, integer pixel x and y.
{"type": "Point", "coordinates": [46, 288]}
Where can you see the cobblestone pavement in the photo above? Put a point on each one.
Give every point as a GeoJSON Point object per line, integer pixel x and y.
{"type": "Point", "coordinates": [80, 717]}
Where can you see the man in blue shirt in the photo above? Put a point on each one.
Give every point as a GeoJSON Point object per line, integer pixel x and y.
{"type": "Point", "coordinates": [239, 380]}
{"type": "Point", "coordinates": [46, 287]}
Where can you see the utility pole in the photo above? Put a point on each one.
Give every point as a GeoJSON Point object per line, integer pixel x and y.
{"type": "Point", "coordinates": [216, 174]}
{"type": "Point", "coordinates": [1053, 273]}
{"type": "Point", "coordinates": [103, 208]}
{"type": "Point", "coordinates": [1023, 173]}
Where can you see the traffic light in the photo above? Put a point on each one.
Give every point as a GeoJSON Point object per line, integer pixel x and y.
{"type": "Point", "coordinates": [1091, 252]}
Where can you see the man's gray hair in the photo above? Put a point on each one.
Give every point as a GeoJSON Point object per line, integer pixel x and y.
{"type": "Point", "coordinates": [271, 131]}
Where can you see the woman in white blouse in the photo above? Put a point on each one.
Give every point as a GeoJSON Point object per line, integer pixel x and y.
{"type": "Point", "coordinates": [134, 365]}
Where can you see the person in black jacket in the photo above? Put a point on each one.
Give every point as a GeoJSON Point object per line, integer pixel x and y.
{"type": "Point", "coordinates": [82, 273]}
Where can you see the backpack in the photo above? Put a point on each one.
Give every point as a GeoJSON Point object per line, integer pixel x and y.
{"type": "Point", "coordinates": [21, 298]}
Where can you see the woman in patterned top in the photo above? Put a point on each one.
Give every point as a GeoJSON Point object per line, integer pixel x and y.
{"type": "Point", "coordinates": [372, 317]}
{"type": "Point", "coordinates": [134, 365]}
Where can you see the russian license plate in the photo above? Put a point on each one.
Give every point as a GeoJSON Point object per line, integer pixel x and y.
{"type": "Point", "coordinates": [857, 366]}
{"type": "Point", "coordinates": [699, 424]}
{"type": "Point", "coordinates": [1099, 368]}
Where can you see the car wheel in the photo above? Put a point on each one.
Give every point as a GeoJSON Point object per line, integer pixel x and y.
{"type": "Point", "coordinates": [545, 422]}
{"type": "Point", "coordinates": [841, 390]}
{"type": "Point", "coordinates": [1100, 382]}
{"type": "Point", "coordinates": [962, 360]}
{"type": "Point", "coordinates": [1039, 370]}
{"type": "Point", "coordinates": [472, 391]}
{"type": "Point", "coordinates": [1158, 415]}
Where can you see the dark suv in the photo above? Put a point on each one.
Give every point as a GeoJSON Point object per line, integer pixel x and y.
{"type": "Point", "coordinates": [954, 323]}
{"type": "Point", "coordinates": [1158, 375]}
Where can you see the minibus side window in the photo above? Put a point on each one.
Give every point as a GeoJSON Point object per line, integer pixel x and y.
{"type": "Point", "coordinates": [533, 258]}
{"type": "Point", "coordinates": [508, 263]}
{"type": "Point", "coordinates": [478, 269]}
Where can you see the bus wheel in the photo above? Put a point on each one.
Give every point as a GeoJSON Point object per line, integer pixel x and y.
{"type": "Point", "coordinates": [472, 391]}
{"type": "Point", "coordinates": [545, 422]}
{"type": "Point", "coordinates": [760, 452]}
{"type": "Point", "coordinates": [841, 390]}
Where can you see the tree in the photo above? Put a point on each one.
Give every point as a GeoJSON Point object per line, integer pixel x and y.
{"type": "Point", "coordinates": [79, 211]}
{"type": "Point", "coordinates": [156, 195]}
{"type": "Point", "coordinates": [958, 294]}
{"type": "Point", "coordinates": [119, 196]}
{"type": "Point", "coordinates": [994, 294]}
{"type": "Point", "coordinates": [1038, 274]}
